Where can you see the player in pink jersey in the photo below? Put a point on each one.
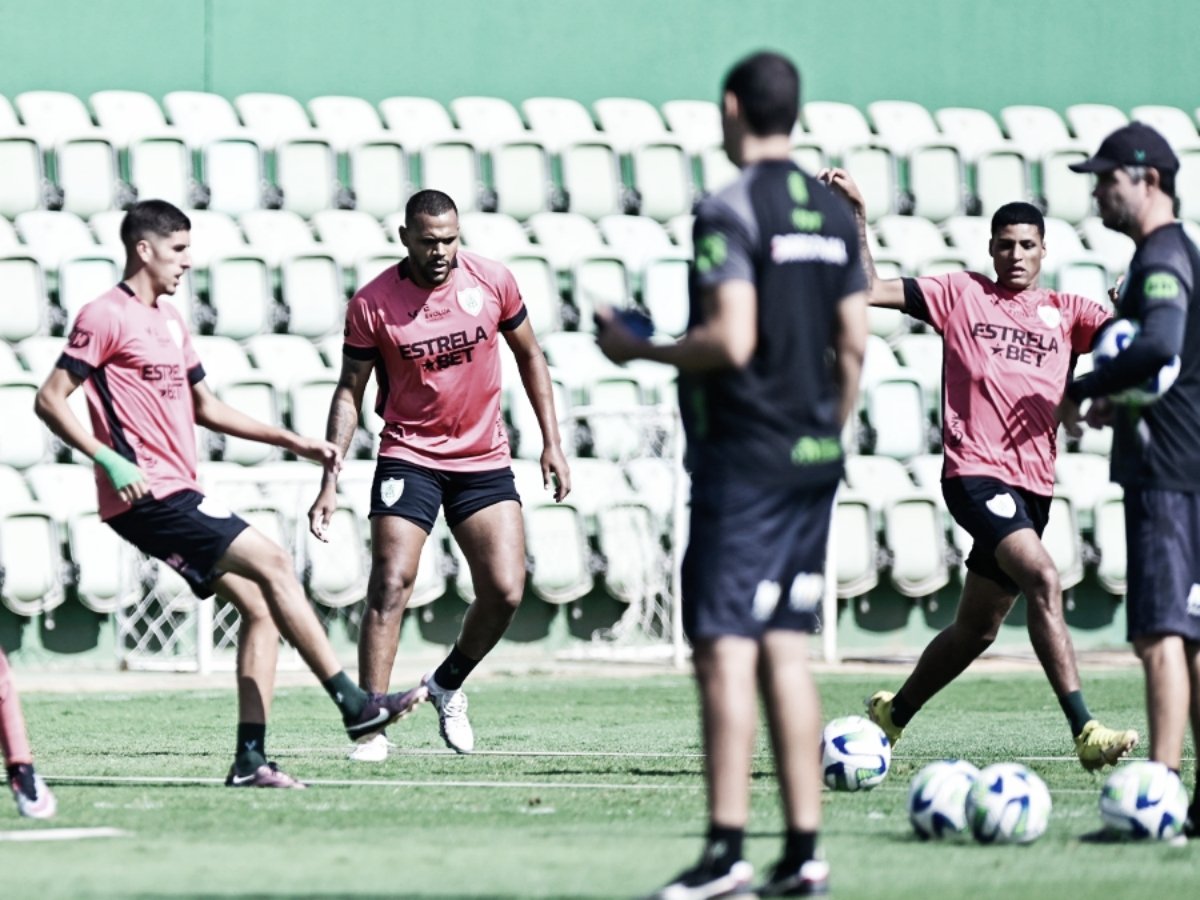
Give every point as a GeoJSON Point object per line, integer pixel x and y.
{"type": "Point", "coordinates": [145, 391]}
{"type": "Point", "coordinates": [430, 329]}
{"type": "Point", "coordinates": [1009, 352]}
{"type": "Point", "coordinates": [34, 799]}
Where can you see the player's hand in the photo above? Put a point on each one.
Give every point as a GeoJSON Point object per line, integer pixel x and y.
{"type": "Point", "coordinates": [615, 340]}
{"type": "Point", "coordinates": [133, 492]}
{"type": "Point", "coordinates": [1115, 291]}
{"type": "Point", "coordinates": [842, 183]}
{"type": "Point", "coordinates": [321, 512]}
{"type": "Point", "coordinates": [555, 472]}
{"type": "Point", "coordinates": [327, 453]}
{"type": "Point", "coordinates": [1100, 413]}
{"type": "Point", "coordinates": [1068, 414]}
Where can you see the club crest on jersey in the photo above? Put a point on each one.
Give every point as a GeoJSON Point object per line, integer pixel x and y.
{"type": "Point", "coordinates": [390, 490]}
{"type": "Point", "coordinates": [471, 300]}
{"type": "Point", "coordinates": [1051, 316]}
{"type": "Point", "coordinates": [176, 332]}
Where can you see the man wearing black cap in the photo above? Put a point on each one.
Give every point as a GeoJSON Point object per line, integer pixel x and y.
{"type": "Point", "coordinates": [1156, 447]}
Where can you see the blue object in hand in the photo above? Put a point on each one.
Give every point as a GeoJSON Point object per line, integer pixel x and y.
{"type": "Point", "coordinates": [637, 322]}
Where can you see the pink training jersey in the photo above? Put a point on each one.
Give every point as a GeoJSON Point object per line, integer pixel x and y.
{"type": "Point", "coordinates": [1006, 364]}
{"type": "Point", "coordinates": [437, 361]}
{"type": "Point", "coordinates": [139, 365]}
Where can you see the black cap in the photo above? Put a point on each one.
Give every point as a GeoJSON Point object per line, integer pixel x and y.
{"type": "Point", "coordinates": [1135, 144]}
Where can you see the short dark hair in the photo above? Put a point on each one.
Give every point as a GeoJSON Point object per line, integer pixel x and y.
{"type": "Point", "coordinates": [767, 87]}
{"type": "Point", "coordinates": [157, 217]}
{"type": "Point", "coordinates": [428, 203]}
{"type": "Point", "coordinates": [1018, 213]}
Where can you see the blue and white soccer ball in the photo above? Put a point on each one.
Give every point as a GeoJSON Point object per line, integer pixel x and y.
{"type": "Point", "coordinates": [1144, 799]}
{"type": "Point", "coordinates": [1114, 339]}
{"type": "Point", "coordinates": [1008, 804]}
{"type": "Point", "coordinates": [855, 754]}
{"type": "Point", "coordinates": [937, 799]}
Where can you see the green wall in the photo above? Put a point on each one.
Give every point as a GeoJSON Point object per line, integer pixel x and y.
{"type": "Point", "coordinates": [984, 53]}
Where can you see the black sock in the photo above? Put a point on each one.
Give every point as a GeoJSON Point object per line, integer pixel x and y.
{"type": "Point", "coordinates": [798, 848]}
{"type": "Point", "coordinates": [22, 774]}
{"type": "Point", "coordinates": [348, 696]}
{"type": "Point", "coordinates": [902, 710]}
{"type": "Point", "coordinates": [251, 747]}
{"type": "Point", "coordinates": [1076, 711]}
{"type": "Point", "coordinates": [723, 847]}
{"type": "Point", "coordinates": [454, 669]}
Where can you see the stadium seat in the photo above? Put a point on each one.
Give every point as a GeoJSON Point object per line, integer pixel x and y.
{"type": "Point", "coordinates": [240, 297]}
{"type": "Point", "coordinates": [495, 235]}
{"type": "Point", "coordinates": [1034, 129]}
{"type": "Point", "coordinates": [256, 397]}
{"type": "Point", "coordinates": [1113, 248]}
{"type": "Point", "coordinates": [1108, 529]}
{"type": "Point", "coordinates": [10, 364]}
{"type": "Point", "coordinates": [1001, 176]}
{"type": "Point", "coordinates": [903, 125]}
{"type": "Point", "coordinates": [566, 238]}
{"type": "Point", "coordinates": [665, 293]}
{"type": "Point", "coordinates": [50, 236]}
{"type": "Point", "coordinates": [23, 183]}
{"type": "Point", "coordinates": [615, 425]}
{"type": "Point", "coordinates": [26, 300]}
{"type": "Point", "coordinates": [349, 234]}
{"type": "Point", "coordinates": [539, 290]}
{"type": "Point", "coordinates": [559, 122]}
{"type": "Point", "coordinates": [66, 490]}
{"type": "Point", "coordinates": [84, 277]}
{"type": "Point", "coordinates": [8, 115]}
{"type": "Point", "coordinates": [636, 239]}
{"type": "Point", "coordinates": [371, 265]}
{"type": "Point", "coordinates": [86, 170]}
{"type": "Point", "coordinates": [970, 236]}
{"type": "Point", "coordinates": [488, 122]}
{"type": "Point", "coordinates": [881, 321]}
{"type": "Point", "coordinates": [806, 153]}
{"type": "Point", "coordinates": [1171, 122]}
{"type": "Point", "coordinates": [432, 567]}
{"type": "Point", "coordinates": [633, 559]}
{"type": "Point", "coordinates": [379, 175]}
{"type": "Point", "coordinates": [912, 240]}
{"type": "Point", "coordinates": [24, 441]}
{"type": "Point", "coordinates": [311, 289]}
{"type": "Point", "coordinates": [335, 573]}
{"type": "Point", "coordinates": [1093, 122]}
{"type": "Point", "coordinates": [936, 181]}
{"type": "Point", "coordinates": [591, 178]}
{"type": "Point", "coordinates": [272, 118]}
{"type": "Point", "coordinates": [214, 234]}
{"type": "Point", "coordinates": [201, 116]}
{"type": "Point", "coordinates": [39, 353]}
{"type": "Point", "coordinates": [880, 479]}
{"type": "Point", "coordinates": [527, 435]}
{"type": "Point", "coordinates": [575, 356]}
{"type": "Point", "coordinates": [629, 123]}
{"type": "Point", "coordinates": [716, 169]}
{"type": "Point", "coordinates": [836, 126]}
{"type": "Point", "coordinates": [879, 361]}
{"type": "Point", "coordinates": [453, 168]}
{"type": "Point", "coordinates": [106, 228]}
{"type": "Point", "coordinates": [306, 172]}
{"type": "Point", "coordinates": [921, 355]}
{"type": "Point", "coordinates": [1063, 542]}
{"type": "Point", "coordinates": [308, 402]}
{"type": "Point", "coordinates": [896, 409]}
{"type": "Point", "coordinates": [1187, 183]}
{"type": "Point", "coordinates": [160, 168]}
{"type": "Point", "coordinates": [286, 360]}
{"type": "Point", "coordinates": [916, 539]}
{"type": "Point", "coordinates": [874, 168]}
{"type": "Point", "coordinates": [857, 544]}
{"type": "Point", "coordinates": [972, 131]}
{"type": "Point", "coordinates": [598, 281]}
{"type": "Point", "coordinates": [103, 562]}
{"type": "Point", "coordinates": [417, 121]}
{"type": "Point", "coordinates": [695, 124]}
{"type": "Point", "coordinates": [233, 171]}
{"type": "Point", "coordinates": [1068, 194]}
{"type": "Point", "coordinates": [223, 359]}
{"type": "Point", "coordinates": [522, 179]}
{"type": "Point", "coordinates": [1088, 278]}
{"type": "Point", "coordinates": [15, 489]}
{"type": "Point", "coordinates": [1083, 477]}
{"type": "Point", "coordinates": [1063, 245]}
{"type": "Point", "coordinates": [926, 471]}
{"type": "Point", "coordinates": [126, 116]}
{"type": "Point", "coordinates": [345, 121]}
{"type": "Point", "coordinates": [53, 115]}
{"type": "Point", "coordinates": [32, 562]}
{"type": "Point", "coordinates": [680, 229]}
{"type": "Point", "coordinates": [277, 234]}
{"type": "Point", "coordinates": [662, 177]}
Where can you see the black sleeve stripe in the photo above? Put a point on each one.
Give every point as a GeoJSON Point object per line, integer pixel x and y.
{"type": "Point", "coordinates": [914, 300]}
{"type": "Point", "coordinates": [196, 374]}
{"type": "Point", "coordinates": [362, 354]}
{"type": "Point", "coordinates": [75, 366]}
{"type": "Point", "coordinates": [513, 323]}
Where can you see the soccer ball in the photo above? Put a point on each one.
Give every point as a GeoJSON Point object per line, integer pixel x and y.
{"type": "Point", "coordinates": [855, 754]}
{"type": "Point", "coordinates": [1144, 799]}
{"type": "Point", "coordinates": [1007, 804]}
{"type": "Point", "coordinates": [1115, 338]}
{"type": "Point", "coordinates": [937, 798]}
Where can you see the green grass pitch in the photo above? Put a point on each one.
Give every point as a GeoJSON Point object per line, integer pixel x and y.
{"type": "Point", "coordinates": [589, 788]}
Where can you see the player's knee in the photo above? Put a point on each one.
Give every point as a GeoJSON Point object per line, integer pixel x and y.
{"type": "Point", "coordinates": [390, 587]}
{"type": "Point", "coordinates": [506, 590]}
{"type": "Point", "coordinates": [1041, 585]}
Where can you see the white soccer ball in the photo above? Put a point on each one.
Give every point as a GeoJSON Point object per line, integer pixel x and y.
{"type": "Point", "coordinates": [1144, 799]}
{"type": "Point", "coordinates": [855, 754]}
{"type": "Point", "coordinates": [1008, 804]}
{"type": "Point", "coordinates": [937, 798]}
{"type": "Point", "coordinates": [1115, 338]}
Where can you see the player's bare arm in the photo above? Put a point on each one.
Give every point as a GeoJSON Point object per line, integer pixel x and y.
{"type": "Point", "coordinates": [51, 407]}
{"type": "Point", "coordinates": [344, 411]}
{"type": "Point", "coordinates": [851, 347]}
{"type": "Point", "coordinates": [535, 378]}
{"type": "Point", "coordinates": [725, 339]}
{"type": "Point", "coordinates": [887, 293]}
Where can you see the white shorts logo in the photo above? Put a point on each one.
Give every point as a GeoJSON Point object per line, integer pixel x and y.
{"type": "Point", "coordinates": [391, 489]}
{"type": "Point", "coordinates": [214, 509]}
{"type": "Point", "coordinates": [766, 598]}
{"type": "Point", "coordinates": [1002, 505]}
{"type": "Point", "coordinates": [471, 300]}
{"type": "Point", "coordinates": [1193, 607]}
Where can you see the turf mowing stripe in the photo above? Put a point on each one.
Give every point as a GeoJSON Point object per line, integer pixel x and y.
{"type": "Point", "coordinates": [102, 780]}
{"type": "Point", "coordinates": [60, 834]}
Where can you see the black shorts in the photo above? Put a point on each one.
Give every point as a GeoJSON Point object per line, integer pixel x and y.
{"type": "Point", "coordinates": [755, 558]}
{"type": "Point", "coordinates": [415, 493]}
{"type": "Point", "coordinates": [1162, 537]}
{"type": "Point", "coordinates": [186, 530]}
{"type": "Point", "coordinates": [990, 510]}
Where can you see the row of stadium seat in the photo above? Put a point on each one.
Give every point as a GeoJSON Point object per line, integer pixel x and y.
{"type": "Point", "coordinates": [267, 150]}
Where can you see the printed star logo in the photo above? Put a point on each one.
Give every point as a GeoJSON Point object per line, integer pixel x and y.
{"type": "Point", "coordinates": [427, 365]}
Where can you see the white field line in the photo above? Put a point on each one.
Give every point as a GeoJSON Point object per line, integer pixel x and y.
{"type": "Point", "coordinates": [59, 834]}
{"type": "Point", "coordinates": [172, 781]}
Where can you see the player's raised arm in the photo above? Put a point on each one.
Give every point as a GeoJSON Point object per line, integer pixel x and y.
{"type": "Point", "coordinates": [888, 293]}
